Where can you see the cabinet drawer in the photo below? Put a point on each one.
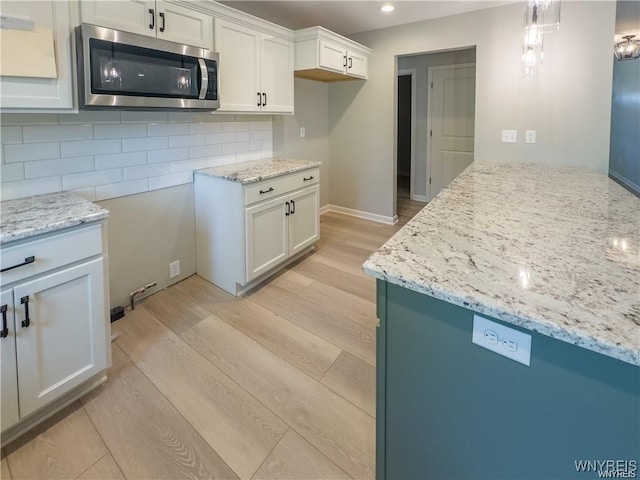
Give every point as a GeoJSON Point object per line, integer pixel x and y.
{"type": "Point", "coordinates": [273, 187]}
{"type": "Point", "coordinates": [50, 252]}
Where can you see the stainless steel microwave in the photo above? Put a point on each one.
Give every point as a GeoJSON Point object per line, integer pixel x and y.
{"type": "Point", "coordinates": [132, 72]}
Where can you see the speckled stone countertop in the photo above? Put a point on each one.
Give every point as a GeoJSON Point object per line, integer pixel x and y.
{"type": "Point", "coordinates": [256, 170]}
{"type": "Point", "coordinates": [25, 217]}
{"type": "Point", "coordinates": [553, 250]}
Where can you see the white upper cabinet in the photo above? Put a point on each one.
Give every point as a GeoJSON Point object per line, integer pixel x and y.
{"type": "Point", "coordinates": [32, 94]}
{"type": "Point", "coordinates": [256, 68]}
{"type": "Point", "coordinates": [159, 18]}
{"type": "Point", "coordinates": [324, 55]}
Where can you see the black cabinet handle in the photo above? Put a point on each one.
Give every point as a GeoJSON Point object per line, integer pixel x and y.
{"type": "Point", "coordinates": [293, 207]}
{"type": "Point", "coordinates": [345, 61]}
{"type": "Point", "coordinates": [266, 191]}
{"type": "Point", "coordinates": [4, 333]}
{"type": "Point", "coordinates": [305, 179]}
{"type": "Point", "coordinates": [27, 321]}
{"type": "Point", "coordinates": [259, 99]}
{"type": "Point", "coordinates": [163, 21]}
{"type": "Point", "coordinates": [264, 101]}
{"type": "Point", "coordinates": [288, 212]}
{"type": "Point", "coordinates": [350, 63]}
{"type": "Point", "coordinates": [152, 25]}
{"type": "Point", "coordinates": [27, 261]}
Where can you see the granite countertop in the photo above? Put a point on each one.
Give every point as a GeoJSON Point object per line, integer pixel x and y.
{"type": "Point", "coordinates": [25, 217]}
{"type": "Point", "coordinates": [256, 170]}
{"type": "Point", "coordinates": [553, 250]}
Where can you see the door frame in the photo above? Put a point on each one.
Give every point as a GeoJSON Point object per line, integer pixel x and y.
{"type": "Point", "coordinates": [430, 71]}
{"type": "Point", "coordinates": [414, 74]}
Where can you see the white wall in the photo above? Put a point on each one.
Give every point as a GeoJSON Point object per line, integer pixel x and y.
{"type": "Point", "coordinates": [421, 64]}
{"type": "Point", "coordinates": [569, 104]}
{"type": "Point", "coordinates": [312, 113]}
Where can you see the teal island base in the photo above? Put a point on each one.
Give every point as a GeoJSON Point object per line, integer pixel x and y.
{"type": "Point", "coordinates": [449, 409]}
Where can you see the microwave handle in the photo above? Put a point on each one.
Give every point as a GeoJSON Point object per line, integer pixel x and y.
{"type": "Point", "coordinates": [204, 84]}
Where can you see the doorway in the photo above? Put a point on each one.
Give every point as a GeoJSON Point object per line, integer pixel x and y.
{"type": "Point", "coordinates": [417, 67]}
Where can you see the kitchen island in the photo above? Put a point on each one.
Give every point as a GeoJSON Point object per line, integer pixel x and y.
{"type": "Point", "coordinates": [549, 252]}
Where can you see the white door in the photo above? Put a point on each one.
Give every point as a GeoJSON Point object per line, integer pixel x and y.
{"type": "Point", "coordinates": [357, 65]}
{"type": "Point", "coordinates": [183, 25]}
{"type": "Point", "coordinates": [304, 220]}
{"type": "Point", "coordinates": [277, 74]}
{"type": "Point", "coordinates": [451, 121]}
{"type": "Point", "coordinates": [135, 16]}
{"type": "Point", "coordinates": [332, 57]}
{"type": "Point", "coordinates": [64, 341]}
{"type": "Point", "coordinates": [9, 414]}
{"type": "Point", "coordinates": [267, 240]}
{"type": "Point", "coordinates": [239, 49]}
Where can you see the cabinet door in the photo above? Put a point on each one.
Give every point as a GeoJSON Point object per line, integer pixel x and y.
{"type": "Point", "coordinates": [332, 57]}
{"type": "Point", "coordinates": [65, 342]}
{"type": "Point", "coordinates": [183, 25]}
{"type": "Point", "coordinates": [267, 239]}
{"type": "Point", "coordinates": [357, 65]}
{"type": "Point", "coordinates": [304, 221]}
{"type": "Point", "coordinates": [9, 394]}
{"type": "Point", "coordinates": [239, 49]}
{"type": "Point", "coordinates": [277, 74]}
{"type": "Point", "coordinates": [43, 93]}
{"type": "Point", "coordinates": [128, 15]}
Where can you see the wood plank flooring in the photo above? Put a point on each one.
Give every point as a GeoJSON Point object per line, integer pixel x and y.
{"type": "Point", "coordinates": [279, 383]}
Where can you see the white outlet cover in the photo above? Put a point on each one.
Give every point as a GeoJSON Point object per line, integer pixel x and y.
{"type": "Point", "coordinates": [509, 136]}
{"type": "Point", "coordinates": [303, 132]}
{"type": "Point", "coordinates": [530, 136]}
{"type": "Point", "coordinates": [502, 340]}
{"type": "Point", "coordinates": [174, 269]}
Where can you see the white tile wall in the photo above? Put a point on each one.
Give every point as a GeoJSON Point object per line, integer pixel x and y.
{"type": "Point", "coordinates": [102, 155]}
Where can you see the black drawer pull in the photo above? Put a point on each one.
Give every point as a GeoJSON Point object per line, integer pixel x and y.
{"type": "Point", "coordinates": [27, 261]}
{"type": "Point", "coordinates": [4, 333]}
{"type": "Point", "coordinates": [293, 207]}
{"type": "Point", "coordinates": [288, 212]}
{"type": "Point", "coordinates": [27, 321]}
{"type": "Point", "coordinates": [266, 191]}
{"type": "Point", "coordinates": [305, 179]}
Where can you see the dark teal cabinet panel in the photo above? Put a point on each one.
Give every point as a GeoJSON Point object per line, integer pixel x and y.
{"type": "Point", "coordinates": [450, 409]}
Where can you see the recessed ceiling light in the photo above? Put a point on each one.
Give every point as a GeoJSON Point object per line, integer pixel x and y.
{"type": "Point", "coordinates": [387, 8]}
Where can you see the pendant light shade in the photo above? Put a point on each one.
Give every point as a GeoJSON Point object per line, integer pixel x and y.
{"type": "Point", "coordinates": [629, 49]}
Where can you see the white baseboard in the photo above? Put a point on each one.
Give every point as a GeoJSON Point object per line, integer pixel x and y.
{"type": "Point", "coordinates": [419, 198]}
{"type": "Point", "coordinates": [627, 183]}
{"type": "Point", "coordinates": [359, 214]}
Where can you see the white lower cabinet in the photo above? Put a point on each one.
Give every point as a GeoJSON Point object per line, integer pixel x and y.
{"type": "Point", "coordinates": [54, 321]}
{"type": "Point", "coordinates": [280, 228]}
{"type": "Point", "coordinates": [245, 232]}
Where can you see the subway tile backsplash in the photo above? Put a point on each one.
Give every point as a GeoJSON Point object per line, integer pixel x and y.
{"type": "Point", "coordinates": [102, 155]}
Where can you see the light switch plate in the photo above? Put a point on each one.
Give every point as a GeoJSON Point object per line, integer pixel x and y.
{"type": "Point", "coordinates": [503, 340]}
{"type": "Point", "coordinates": [530, 136]}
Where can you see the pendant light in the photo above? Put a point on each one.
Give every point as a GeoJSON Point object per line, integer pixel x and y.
{"type": "Point", "coordinates": [627, 50]}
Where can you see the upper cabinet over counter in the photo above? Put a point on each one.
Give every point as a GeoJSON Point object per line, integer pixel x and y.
{"type": "Point", "coordinates": [327, 56]}
{"type": "Point", "coordinates": [159, 18]}
{"type": "Point", "coordinates": [53, 21]}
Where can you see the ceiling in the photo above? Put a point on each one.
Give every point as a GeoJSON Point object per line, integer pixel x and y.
{"type": "Point", "coordinates": [349, 17]}
{"type": "Point", "coordinates": [627, 19]}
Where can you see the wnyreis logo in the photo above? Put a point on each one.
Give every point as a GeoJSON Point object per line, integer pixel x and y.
{"type": "Point", "coordinates": [609, 468]}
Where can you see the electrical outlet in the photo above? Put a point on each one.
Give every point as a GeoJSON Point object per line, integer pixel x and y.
{"type": "Point", "coordinates": [509, 136]}
{"type": "Point", "coordinates": [530, 136]}
{"type": "Point", "coordinates": [503, 340]}
{"type": "Point", "coordinates": [303, 132]}
{"type": "Point", "coordinates": [174, 269]}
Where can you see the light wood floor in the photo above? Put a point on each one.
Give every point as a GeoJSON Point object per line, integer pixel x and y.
{"type": "Point", "coordinates": [279, 383]}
